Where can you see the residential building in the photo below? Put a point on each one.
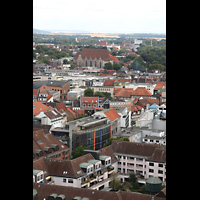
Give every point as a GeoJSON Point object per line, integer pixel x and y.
{"type": "Point", "coordinates": [123, 93]}
{"type": "Point", "coordinates": [39, 107]}
{"type": "Point", "coordinates": [45, 97]}
{"type": "Point", "coordinates": [89, 104]}
{"type": "Point", "coordinates": [52, 117]}
{"type": "Point", "coordinates": [141, 92]}
{"type": "Point", "coordinates": [148, 160]}
{"type": "Point", "coordinates": [94, 58]}
{"type": "Point", "coordinates": [121, 104]}
{"type": "Point", "coordinates": [62, 86]}
{"type": "Point", "coordinates": [87, 171]}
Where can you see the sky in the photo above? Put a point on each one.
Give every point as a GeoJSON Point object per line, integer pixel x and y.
{"type": "Point", "coordinates": [102, 16]}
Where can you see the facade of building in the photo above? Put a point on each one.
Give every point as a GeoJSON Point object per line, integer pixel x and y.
{"type": "Point", "coordinates": [89, 104]}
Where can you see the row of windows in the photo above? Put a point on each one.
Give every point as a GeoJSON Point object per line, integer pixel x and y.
{"type": "Point", "coordinates": [69, 180]}
{"type": "Point", "coordinates": [89, 105]}
{"type": "Point", "coordinates": [95, 63]}
{"type": "Point", "coordinates": [104, 89]}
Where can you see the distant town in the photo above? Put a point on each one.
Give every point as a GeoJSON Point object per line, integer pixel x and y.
{"type": "Point", "coordinates": [99, 116]}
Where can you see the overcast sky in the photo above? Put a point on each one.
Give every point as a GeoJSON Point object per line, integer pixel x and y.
{"type": "Point", "coordinates": [104, 16]}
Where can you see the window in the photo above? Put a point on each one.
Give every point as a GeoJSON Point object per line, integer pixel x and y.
{"type": "Point", "coordinates": [70, 181]}
{"type": "Point", "coordinates": [160, 165]}
{"type": "Point", "coordinates": [160, 171]}
{"type": "Point", "coordinates": [151, 170]}
{"type": "Point", "coordinates": [89, 104]}
{"type": "Point", "coordinates": [151, 164]}
{"type": "Point", "coordinates": [64, 180]}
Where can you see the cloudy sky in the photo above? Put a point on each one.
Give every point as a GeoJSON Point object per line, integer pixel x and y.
{"type": "Point", "coordinates": [103, 16]}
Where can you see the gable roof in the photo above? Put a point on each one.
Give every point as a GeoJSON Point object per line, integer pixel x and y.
{"type": "Point", "coordinates": [152, 152]}
{"type": "Point", "coordinates": [141, 91]}
{"type": "Point", "coordinates": [45, 190]}
{"type": "Point", "coordinates": [112, 114]}
{"type": "Point", "coordinates": [94, 53]}
{"type": "Point", "coordinates": [124, 92]}
{"type": "Point", "coordinates": [55, 167]}
{"type": "Point", "coordinates": [160, 85]}
{"type": "Point", "coordinates": [39, 107]}
{"type": "Point", "coordinates": [114, 58]}
{"type": "Point", "coordinates": [42, 139]}
{"type": "Point", "coordinates": [52, 114]}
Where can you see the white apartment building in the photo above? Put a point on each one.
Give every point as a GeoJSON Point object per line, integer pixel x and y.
{"type": "Point", "coordinates": [148, 160]}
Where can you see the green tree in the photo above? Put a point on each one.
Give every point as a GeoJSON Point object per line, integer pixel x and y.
{"type": "Point", "coordinates": [99, 94]}
{"type": "Point", "coordinates": [89, 92]}
{"type": "Point", "coordinates": [117, 66]}
{"type": "Point", "coordinates": [117, 138]}
{"type": "Point", "coordinates": [133, 180]}
{"type": "Point", "coordinates": [78, 151]}
{"type": "Point", "coordinates": [115, 183]}
{"type": "Point", "coordinates": [108, 66]}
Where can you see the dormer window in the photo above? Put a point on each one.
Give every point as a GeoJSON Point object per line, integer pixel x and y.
{"type": "Point", "coordinates": [39, 152]}
{"type": "Point", "coordinates": [55, 147]}
{"type": "Point", "coordinates": [47, 150]}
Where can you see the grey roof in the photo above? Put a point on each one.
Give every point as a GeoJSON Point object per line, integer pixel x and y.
{"type": "Point", "coordinates": [38, 84]}
{"type": "Point", "coordinates": [154, 180]}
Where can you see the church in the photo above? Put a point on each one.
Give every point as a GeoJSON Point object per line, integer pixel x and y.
{"type": "Point", "coordinates": [94, 58]}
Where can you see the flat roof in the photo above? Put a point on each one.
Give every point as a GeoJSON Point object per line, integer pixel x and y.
{"type": "Point", "coordinates": [84, 165]}
{"type": "Point", "coordinates": [103, 157]}
{"type": "Point", "coordinates": [93, 161]}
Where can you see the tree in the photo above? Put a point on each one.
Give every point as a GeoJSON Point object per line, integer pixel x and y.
{"type": "Point", "coordinates": [117, 138]}
{"type": "Point", "coordinates": [133, 180]}
{"type": "Point", "coordinates": [99, 94]}
{"type": "Point", "coordinates": [78, 151]}
{"type": "Point", "coordinates": [108, 66]}
{"type": "Point", "coordinates": [89, 92]}
{"type": "Point", "coordinates": [115, 183]}
{"type": "Point", "coordinates": [117, 66]}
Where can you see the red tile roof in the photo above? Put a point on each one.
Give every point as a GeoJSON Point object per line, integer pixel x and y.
{"type": "Point", "coordinates": [109, 82]}
{"type": "Point", "coordinates": [39, 107]}
{"type": "Point", "coordinates": [94, 53]}
{"type": "Point", "coordinates": [141, 92]}
{"type": "Point", "coordinates": [114, 58]}
{"type": "Point", "coordinates": [124, 92]}
{"type": "Point", "coordinates": [112, 114]}
{"type": "Point", "coordinates": [160, 85]}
